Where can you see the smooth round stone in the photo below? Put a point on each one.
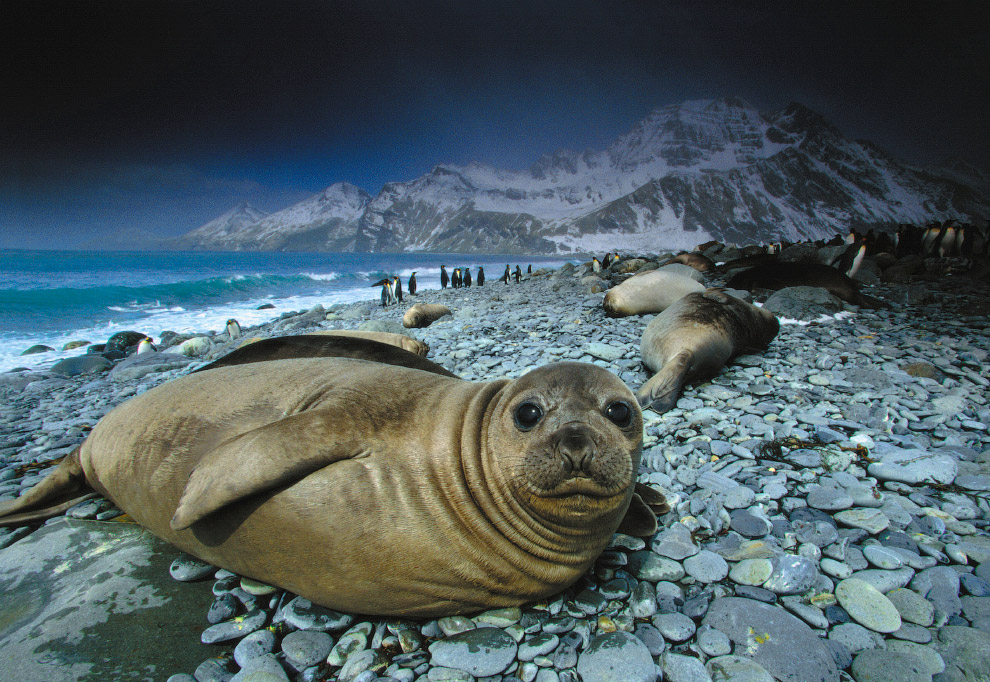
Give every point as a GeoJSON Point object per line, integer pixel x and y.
{"type": "Point", "coordinates": [480, 652]}
{"type": "Point", "coordinates": [453, 625]}
{"type": "Point", "coordinates": [258, 643]}
{"type": "Point", "coordinates": [817, 533]}
{"type": "Point", "coordinates": [675, 627]}
{"type": "Point", "coordinates": [751, 572]}
{"type": "Point", "coordinates": [181, 677]}
{"type": "Point", "coordinates": [881, 557]}
{"type": "Point", "coordinates": [680, 668]}
{"type": "Point", "coordinates": [306, 648]}
{"type": "Point", "coordinates": [867, 606]}
{"type": "Point", "coordinates": [714, 642]}
{"type": "Point", "coordinates": [877, 665]}
{"type": "Point", "coordinates": [643, 601]}
{"type": "Point", "coordinates": [932, 661]}
{"type": "Point", "coordinates": [834, 568]}
{"type": "Point", "coordinates": [359, 662]}
{"type": "Point", "coordinates": [706, 567]}
{"type": "Point", "coordinates": [616, 656]}
{"type": "Point", "coordinates": [828, 499]}
{"type": "Point", "coordinates": [739, 497]}
{"type": "Point", "coordinates": [223, 608]}
{"type": "Point", "coordinates": [652, 567]}
{"type": "Point", "coordinates": [258, 589]}
{"type": "Point", "coordinates": [747, 525]}
{"type": "Point", "coordinates": [675, 543]}
{"type": "Point", "coordinates": [872, 521]}
{"type": "Point", "coordinates": [235, 628]}
{"type": "Point", "coordinates": [791, 574]}
{"type": "Point", "coordinates": [213, 669]}
{"type": "Point", "coordinates": [855, 637]}
{"type": "Point", "coordinates": [499, 618]}
{"type": "Point", "coordinates": [539, 645]}
{"type": "Point", "coordinates": [913, 633]}
{"type": "Point", "coordinates": [650, 636]}
{"type": "Point", "coordinates": [188, 568]}
{"type": "Point", "coordinates": [303, 614]}
{"type": "Point", "coordinates": [350, 642]}
{"type": "Point", "coordinates": [618, 588]}
{"type": "Point", "coordinates": [977, 587]}
{"type": "Point", "coordinates": [912, 606]}
{"type": "Point", "coordinates": [885, 580]}
{"type": "Point", "coordinates": [737, 669]}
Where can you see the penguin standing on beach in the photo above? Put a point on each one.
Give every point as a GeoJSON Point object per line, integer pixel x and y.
{"type": "Point", "coordinates": [146, 346]}
{"type": "Point", "coordinates": [517, 274]}
{"type": "Point", "coordinates": [596, 265]}
{"type": "Point", "coordinates": [467, 277]}
{"type": "Point", "coordinates": [505, 275]}
{"type": "Point", "coordinates": [397, 287]}
{"type": "Point", "coordinates": [233, 329]}
{"type": "Point", "coordinates": [852, 258]}
{"type": "Point", "coordinates": [444, 277]}
{"type": "Point", "coordinates": [455, 280]}
{"type": "Point", "coordinates": [607, 260]}
{"type": "Point", "coordinates": [412, 283]}
{"type": "Point", "coordinates": [529, 270]}
{"type": "Point", "coordinates": [386, 291]}
{"type": "Point", "coordinates": [481, 276]}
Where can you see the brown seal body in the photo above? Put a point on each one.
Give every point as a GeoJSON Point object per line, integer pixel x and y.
{"type": "Point", "coordinates": [698, 261]}
{"type": "Point", "coordinates": [401, 340]}
{"type": "Point", "coordinates": [372, 488]}
{"type": "Point", "coordinates": [780, 275]}
{"type": "Point", "coordinates": [647, 293]}
{"type": "Point", "coordinates": [694, 338]}
{"type": "Point", "coordinates": [423, 315]}
{"type": "Point", "coordinates": [324, 346]}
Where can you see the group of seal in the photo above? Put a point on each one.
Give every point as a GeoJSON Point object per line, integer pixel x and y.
{"type": "Point", "coordinates": [394, 490]}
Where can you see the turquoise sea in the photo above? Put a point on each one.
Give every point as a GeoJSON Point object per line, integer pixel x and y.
{"type": "Point", "coordinates": [53, 297]}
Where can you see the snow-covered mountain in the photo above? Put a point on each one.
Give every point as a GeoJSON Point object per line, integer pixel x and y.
{"type": "Point", "coordinates": [222, 233]}
{"type": "Point", "coordinates": [706, 169]}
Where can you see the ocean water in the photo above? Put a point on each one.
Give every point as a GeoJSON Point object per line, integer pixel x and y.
{"type": "Point", "coordinates": [53, 297]}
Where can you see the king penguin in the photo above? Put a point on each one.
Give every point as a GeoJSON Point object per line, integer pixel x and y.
{"type": "Point", "coordinates": [412, 283]}
{"type": "Point", "coordinates": [481, 276]}
{"type": "Point", "coordinates": [233, 329]}
{"type": "Point", "coordinates": [444, 277]}
{"type": "Point", "coordinates": [467, 277]}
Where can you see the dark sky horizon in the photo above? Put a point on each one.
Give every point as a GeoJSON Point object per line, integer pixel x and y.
{"type": "Point", "coordinates": [158, 117]}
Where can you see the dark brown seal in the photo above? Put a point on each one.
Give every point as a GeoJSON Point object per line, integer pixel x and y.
{"type": "Point", "coordinates": [780, 275]}
{"type": "Point", "coordinates": [694, 338]}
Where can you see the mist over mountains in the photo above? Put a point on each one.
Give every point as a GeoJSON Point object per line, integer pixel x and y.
{"type": "Point", "coordinates": [687, 173]}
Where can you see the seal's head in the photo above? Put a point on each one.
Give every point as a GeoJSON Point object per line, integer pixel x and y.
{"type": "Point", "coordinates": [568, 439]}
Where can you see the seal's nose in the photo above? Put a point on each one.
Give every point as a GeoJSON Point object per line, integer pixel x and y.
{"type": "Point", "coordinates": [576, 448]}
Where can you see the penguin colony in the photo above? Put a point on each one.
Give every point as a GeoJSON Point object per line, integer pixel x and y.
{"type": "Point", "coordinates": [459, 278]}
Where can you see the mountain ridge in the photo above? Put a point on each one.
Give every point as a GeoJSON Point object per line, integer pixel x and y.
{"type": "Point", "coordinates": [684, 174]}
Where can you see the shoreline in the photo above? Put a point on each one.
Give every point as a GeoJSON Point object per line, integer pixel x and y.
{"type": "Point", "coordinates": [834, 397]}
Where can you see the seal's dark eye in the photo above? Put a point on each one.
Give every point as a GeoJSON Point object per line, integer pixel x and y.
{"type": "Point", "coordinates": [619, 414]}
{"type": "Point", "coordinates": [528, 415]}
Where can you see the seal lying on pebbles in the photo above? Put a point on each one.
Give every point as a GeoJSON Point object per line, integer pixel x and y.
{"type": "Point", "coordinates": [781, 275]}
{"type": "Point", "coordinates": [423, 315]}
{"type": "Point", "coordinates": [326, 346]}
{"type": "Point", "coordinates": [647, 293]}
{"type": "Point", "coordinates": [373, 488]}
{"type": "Point", "coordinates": [694, 338]}
{"type": "Point", "coordinates": [401, 340]}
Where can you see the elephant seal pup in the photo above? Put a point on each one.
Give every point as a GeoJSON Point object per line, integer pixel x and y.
{"type": "Point", "coordinates": [325, 346]}
{"type": "Point", "coordinates": [647, 293]}
{"type": "Point", "coordinates": [694, 338]}
{"type": "Point", "coordinates": [423, 315]}
{"type": "Point", "coordinates": [401, 340]}
{"type": "Point", "coordinates": [371, 488]}
{"type": "Point", "coordinates": [781, 275]}
{"type": "Point", "coordinates": [698, 261]}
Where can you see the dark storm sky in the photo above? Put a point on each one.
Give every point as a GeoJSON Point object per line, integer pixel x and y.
{"type": "Point", "coordinates": [159, 116]}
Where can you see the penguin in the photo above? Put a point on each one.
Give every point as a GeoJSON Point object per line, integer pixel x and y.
{"type": "Point", "coordinates": [852, 237]}
{"type": "Point", "coordinates": [397, 287]}
{"type": "Point", "coordinates": [481, 276]}
{"type": "Point", "coordinates": [386, 290]}
{"type": "Point", "coordinates": [505, 275]}
{"type": "Point", "coordinates": [851, 259]}
{"type": "Point", "coordinates": [529, 269]}
{"type": "Point", "coordinates": [412, 283]}
{"type": "Point", "coordinates": [455, 281]}
{"type": "Point", "coordinates": [931, 240]}
{"type": "Point", "coordinates": [467, 277]}
{"type": "Point", "coordinates": [146, 346]}
{"type": "Point", "coordinates": [517, 274]}
{"type": "Point", "coordinates": [607, 260]}
{"type": "Point", "coordinates": [947, 248]}
{"type": "Point", "coordinates": [444, 277]}
{"type": "Point", "coordinates": [233, 329]}
{"type": "Point", "coordinates": [596, 265]}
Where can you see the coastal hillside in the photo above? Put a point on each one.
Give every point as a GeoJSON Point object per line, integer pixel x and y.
{"type": "Point", "coordinates": [685, 174]}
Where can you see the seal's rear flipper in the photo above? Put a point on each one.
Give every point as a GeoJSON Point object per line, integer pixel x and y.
{"type": "Point", "coordinates": [662, 391]}
{"type": "Point", "coordinates": [63, 488]}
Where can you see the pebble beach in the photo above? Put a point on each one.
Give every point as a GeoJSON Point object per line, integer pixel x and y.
{"type": "Point", "coordinates": [829, 497]}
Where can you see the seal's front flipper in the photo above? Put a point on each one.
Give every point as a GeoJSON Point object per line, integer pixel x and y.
{"type": "Point", "coordinates": [63, 488]}
{"type": "Point", "coordinates": [660, 393]}
{"type": "Point", "coordinates": [639, 521]}
{"type": "Point", "coordinates": [266, 458]}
